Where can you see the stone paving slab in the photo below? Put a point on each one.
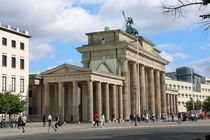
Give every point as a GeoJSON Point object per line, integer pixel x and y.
{"type": "Point", "coordinates": [37, 128]}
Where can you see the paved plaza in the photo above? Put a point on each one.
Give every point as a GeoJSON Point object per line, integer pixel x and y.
{"type": "Point", "coordinates": [126, 130]}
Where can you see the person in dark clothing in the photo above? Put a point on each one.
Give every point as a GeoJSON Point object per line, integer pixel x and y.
{"type": "Point", "coordinates": [44, 120]}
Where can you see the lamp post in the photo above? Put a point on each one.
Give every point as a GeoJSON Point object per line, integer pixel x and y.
{"type": "Point", "coordinates": [135, 89]}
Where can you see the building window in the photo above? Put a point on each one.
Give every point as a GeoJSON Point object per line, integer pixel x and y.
{"type": "Point", "coordinates": [4, 41]}
{"type": "Point", "coordinates": [4, 83]}
{"type": "Point", "coordinates": [21, 85]}
{"type": "Point", "coordinates": [30, 111]}
{"type": "Point", "coordinates": [22, 64]}
{"type": "Point", "coordinates": [13, 84]}
{"type": "Point", "coordinates": [22, 45]}
{"type": "Point", "coordinates": [182, 87]}
{"type": "Point", "coordinates": [13, 43]}
{"type": "Point", "coordinates": [4, 60]}
{"type": "Point", "coordinates": [30, 94]}
{"type": "Point", "coordinates": [13, 62]}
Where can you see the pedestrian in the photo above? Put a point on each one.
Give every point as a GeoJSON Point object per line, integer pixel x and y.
{"type": "Point", "coordinates": [102, 119]}
{"type": "Point", "coordinates": [147, 116]}
{"type": "Point", "coordinates": [113, 118]}
{"type": "Point", "coordinates": [19, 122]}
{"type": "Point", "coordinates": [179, 117]}
{"type": "Point", "coordinates": [153, 117]}
{"type": "Point", "coordinates": [96, 119]}
{"type": "Point", "coordinates": [120, 117]}
{"type": "Point", "coordinates": [44, 120]}
{"type": "Point", "coordinates": [24, 119]}
{"type": "Point", "coordinates": [49, 119]}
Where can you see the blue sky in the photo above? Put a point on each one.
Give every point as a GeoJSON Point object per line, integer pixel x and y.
{"type": "Point", "coordinates": [59, 26]}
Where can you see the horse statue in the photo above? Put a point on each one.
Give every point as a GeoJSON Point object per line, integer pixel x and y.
{"type": "Point", "coordinates": [129, 26]}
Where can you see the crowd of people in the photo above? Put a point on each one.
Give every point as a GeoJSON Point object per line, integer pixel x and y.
{"type": "Point", "coordinates": [99, 119]}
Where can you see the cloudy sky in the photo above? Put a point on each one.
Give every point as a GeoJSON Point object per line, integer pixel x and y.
{"type": "Point", "coordinates": [58, 27]}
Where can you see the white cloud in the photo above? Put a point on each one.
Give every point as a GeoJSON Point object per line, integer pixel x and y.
{"type": "Point", "coordinates": [202, 66]}
{"type": "Point", "coordinates": [180, 55]}
{"type": "Point", "coordinates": [167, 56]}
{"type": "Point", "coordinates": [39, 50]}
{"type": "Point", "coordinates": [89, 1]}
{"type": "Point", "coordinates": [71, 61]}
{"type": "Point", "coordinates": [168, 46]}
{"type": "Point", "coordinates": [51, 67]}
{"type": "Point", "coordinates": [58, 20]}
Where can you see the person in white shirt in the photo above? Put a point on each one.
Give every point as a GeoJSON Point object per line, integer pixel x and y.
{"type": "Point", "coordinates": [102, 119]}
{"type": "Point", "coordinates": [49, 118]}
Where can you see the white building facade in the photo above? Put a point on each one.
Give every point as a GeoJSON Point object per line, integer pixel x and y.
{"type": "Point", "coordinates": [185, 92]}
{"type": "Point", "coordinates": [14, 63]}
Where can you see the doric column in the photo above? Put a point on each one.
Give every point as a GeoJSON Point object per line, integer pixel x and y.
{"type": "Point", "coordinates": [61, 100]}
{"type": "Point", "coordinates": [106, 91]}
{"type": "Point", "coordinates": [90, 101]}
{"type": "Point", "coordinates": [46, 110]}
{"type": "Point", "coordinates": [176, 99]}
{"type": "Point", "coordinates": [171, 103]}
{"type": "Point", "coordinates": [142, 89]}
{"type": "Point", "coordinates": [163, 92]}
{"type": "Point", "coordinates": [151, 90]}
{"type": "Point", "coordinates": [75, 103]}
{"type": "Point", "coordinates": [120, 102]}
{"type": "Point", "coordinates": [168, 103]}
{"type": "Point", "coordinates": [98, 98]}
{"type": "Point", "coordinates": [114, 103]}
{"type": "Point", "coordinates": [84, 102]}
{"type": "Point", "coordinates": [157, 92]}
{"type": "Point", "coordinates": [125, 90]}
{"type": "Point", "coordinates": [134, 89]}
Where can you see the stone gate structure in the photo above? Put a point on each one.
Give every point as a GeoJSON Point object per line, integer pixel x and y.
{"type": "Point", "coordinates": [121, 74]}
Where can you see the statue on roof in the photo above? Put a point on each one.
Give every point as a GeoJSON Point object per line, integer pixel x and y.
{"type": "Point", "coordinates": [130, 25]}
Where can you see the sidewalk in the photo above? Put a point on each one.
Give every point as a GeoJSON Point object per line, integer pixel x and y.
{"type": "Point", "coordinates": [37, 128]}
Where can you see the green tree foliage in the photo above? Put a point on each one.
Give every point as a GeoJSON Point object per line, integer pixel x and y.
{"type": "Point", "coordinates": [197, 104]}
{"type": "Point", "coordinates": [11, 103]}
{"type": "Point", "coordinates": [206, 105]}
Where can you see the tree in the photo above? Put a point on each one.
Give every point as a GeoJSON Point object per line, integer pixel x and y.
{"type": "Point", "coordinates": [197, 104]}
{"type": "Point", "coordinates": [177, 9]}
{"type": "Point", "coordinates": [11, 103]}
{"type": "Point", "coordinates": [206, 105]}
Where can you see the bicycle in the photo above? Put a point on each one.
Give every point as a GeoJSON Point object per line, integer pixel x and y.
{"type": "Point", "coordinates": [52, 129]}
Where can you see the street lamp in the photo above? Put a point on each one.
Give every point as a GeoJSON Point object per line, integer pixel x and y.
{"type": "Point", "coordinates": [135, 89]}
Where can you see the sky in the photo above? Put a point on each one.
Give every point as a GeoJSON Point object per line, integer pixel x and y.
{"type": "Point", "coordinates": [58, 27]}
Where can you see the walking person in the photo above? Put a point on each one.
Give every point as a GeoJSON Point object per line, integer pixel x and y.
{"type": "Point", "coordinates": [49, 119]}
{"type": "Point", "coordinates": [102, 119]}
{"type": "Point", "coordinates": [113, 118]}
{"type": "Point", "coordinates": [96, 119]}
{"type": "Point", "coordinates": [24, 119]}
{"type": "Point", "coordinates": [19, 122]}
{"type": "Point", "coordinates": [44, 120]}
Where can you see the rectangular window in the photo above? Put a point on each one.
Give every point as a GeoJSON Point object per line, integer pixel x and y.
{"type": "Point", "coordinates": [13, 84]}
{"type": "Point", "coordinates": [30, 111]}
{"type": "Point", "coordinates": [22, 64]}
{"type": "Point", "coordinates": [22, 45]}
{"type": "Point", "coordinates": [13, 62]}
{"type": "Point", "coordinates": [4, 41]}
{"type": "Point", "coordinates": [4, 60]}
{"type": "Point", "coordinates": [4, 83]}
{"type": "Point", "coordinates": [21, 85]}
{"type": "Point", "coordinates": [13, 43]}
{"type": "Point", "coordinates": [30, 94]}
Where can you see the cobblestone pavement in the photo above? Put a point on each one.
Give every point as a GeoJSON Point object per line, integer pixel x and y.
{"type": "Point", "coordinates": [37, 128]}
